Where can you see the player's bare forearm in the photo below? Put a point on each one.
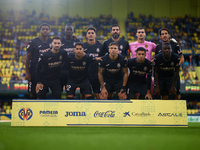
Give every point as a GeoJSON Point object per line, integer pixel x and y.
{"type": "Point", "coordinates": [125, 78]}
{"type": "Point", "coordinates": [100, 76]}
{"type": "Point", "coordinates": [182, 59]}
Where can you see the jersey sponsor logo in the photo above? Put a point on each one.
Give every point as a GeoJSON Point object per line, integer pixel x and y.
{"type": "Point", "coordinates": [54, 64]}
{"type": "Point", "coordinates": [25, 114]}
{"type": "Point", "coordinates": [98, 50]}
{"type": "Point", "coordinates": [170, 114]}
{"type": "Point", "coordinates": [75, 114]}
{"type": "Point", "coordinates": [121, 47]}
{"type": "Point", "coordinates": [106, 114]}
{"type": "Point", "coordinates": [145, 68]}
{"type": "Point", "coordinates": [60, 57]}
{"type": "Point", "coordinates": [118, 65]}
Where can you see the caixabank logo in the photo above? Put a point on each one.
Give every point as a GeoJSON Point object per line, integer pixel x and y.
{"type": "Point", "coordinates": [25, 114]}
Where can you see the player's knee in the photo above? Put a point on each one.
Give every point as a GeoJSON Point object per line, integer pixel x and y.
{"type": "Point", "coordinates": [70, 98]}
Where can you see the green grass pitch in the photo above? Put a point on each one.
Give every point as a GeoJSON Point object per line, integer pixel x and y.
{"type": "Point", "coordinates": [99, 138]}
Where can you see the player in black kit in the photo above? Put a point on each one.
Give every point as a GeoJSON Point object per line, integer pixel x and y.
{"type": "Point", "coordinates": [114, 68]}
{"type": "Point", "coordinates": [34, 49]}
{"type": "Point", "coordinates": [79, 62]}
{"type": "Point", "coordinates": [93, 48]}
{"type": "Point", "coordinates": [123, 45]}
{"type": "Point", "coordinates": [166, 72]}
{"type": "Point", "coordinates": [137, 82]}
{"type": "Point", "coordinates": [164, 34]}
{"type": "Point", "coordinates": [68, 44]}
{"type": "Point", "coordinates": [48, 70]}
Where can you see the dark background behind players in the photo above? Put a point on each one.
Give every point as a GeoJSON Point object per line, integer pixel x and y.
{"type": "Point", "coordinates": [34, 49]}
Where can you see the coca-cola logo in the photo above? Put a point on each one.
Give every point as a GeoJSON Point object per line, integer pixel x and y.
{"type": "Point", "coordinates": [106, 114]}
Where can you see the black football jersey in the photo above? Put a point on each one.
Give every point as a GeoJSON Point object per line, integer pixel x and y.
{"type": "Point", "coordinates": [49, 64]}
{"type": "Point", "coordinates": [113, 70]}
{"type": "Point", "coordinates": [175, 48]}
{"type": "Point", "coordinates": [95, 51]}
{"type": "Point", "coordinates": [164, 67]}
{"type": "Point", "coordinates": [78, 69]}
{"type": "Point", "coordinates": [36, 47]}
{"type": "Point", "coordinates": [139, 71]}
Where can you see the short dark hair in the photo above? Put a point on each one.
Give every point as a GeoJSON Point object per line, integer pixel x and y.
{"type": "Point", "coordinates": [113, 43]}
{"type": "Point", "coordinates": [140, 49]}
{"type": "Point", "coordinates": [162, 30]}
{"type": "Point", "coordinates": [91, 28]}
{"type": "Point", "coordinates": [166, 43]}
{"type": "Point", "coordinates": [44, 24]}
{"type": "Point", "coordinates": [56, 38]}
{"type": "Point", "coordinates": [114, 25]}
{"type": "Point", "coordinates": [69, 25]}
{"type": "Point", "coordinates": [140, 28]}
{"type": "Point", "coordinates": [79, 43]}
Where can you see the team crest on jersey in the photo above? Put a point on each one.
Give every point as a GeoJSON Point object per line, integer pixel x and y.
{"type": "Point", "coordinates": [146, 45]}
{"type": "Point", "coordinates": [84, 63]}
{"type": "Point", "coordinates": [121, 47]}
{"type": "Point", "coordinates": [118, 65]}
{"type": "Point", "coordinates": [60, 57]}
{"type": "Point", "coordinates": [98, 50]}
{"type": "Point", "coordinates": [172, 63]}
{"type": "Point", "coordinates": [28, 46]}
{"type": "Point", "coordinates": [145, 68]}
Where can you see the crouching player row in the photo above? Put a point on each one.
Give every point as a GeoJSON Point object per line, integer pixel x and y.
{"type": "Point", "coordinates": [49, 66]}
